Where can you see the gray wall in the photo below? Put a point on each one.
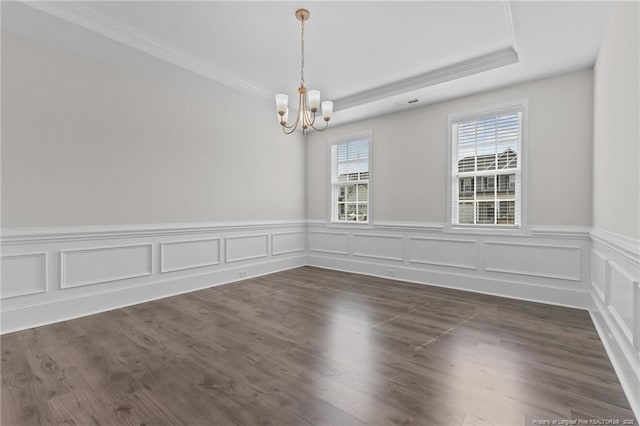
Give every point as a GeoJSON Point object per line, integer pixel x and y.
{"type": "Point", "coordinates": [86, 144]}
{"type": "Point", "coordinates": [409, 155]}
{"type": "Point", "coordinates": [616, 141]}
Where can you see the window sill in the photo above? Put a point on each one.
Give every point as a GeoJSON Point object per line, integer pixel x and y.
{"type": "Point", "coordinates": [361, 225]}
{"type": "Point", "coordinates": [486, 230]}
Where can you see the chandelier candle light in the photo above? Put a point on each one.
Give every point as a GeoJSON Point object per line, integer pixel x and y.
{"type": "Point", "coordinates": [308, 100]}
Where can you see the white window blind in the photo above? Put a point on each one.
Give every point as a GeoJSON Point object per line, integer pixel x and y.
{"type": "Point", "coordinates": [486, 169]}
{"type": "Point", "coordinates": [350, 180]}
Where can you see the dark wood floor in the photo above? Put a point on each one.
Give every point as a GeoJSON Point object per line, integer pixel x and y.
{"type": "Point", "coordinates": [313, 347]}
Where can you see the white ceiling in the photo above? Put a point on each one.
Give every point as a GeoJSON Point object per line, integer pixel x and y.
{"type": "Point", "coordinates": [351, 48]}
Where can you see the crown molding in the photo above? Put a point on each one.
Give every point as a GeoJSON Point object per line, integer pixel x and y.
{"type": "Point", "coordinates": [478, 64]}
{"type": "Point", "coordinates": [115, 30]}
{"type": "Point", "coordinates": [84, 17]}
{"type": "Point", "coordinates": [510, 24]}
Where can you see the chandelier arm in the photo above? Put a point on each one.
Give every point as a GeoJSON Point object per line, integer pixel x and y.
{"type": "Point", "coordinates": [310, 119]}
{"type": "Point", "coordinates": [284, 129]}
{"type": "Point", "coordinates": [303, 111]}
{"type": "Point", "coordinates": [295, 123]}
{"type": "Point", "coordinates": [292, 127]}
{"type": "Point", "coordinates": [326, 124]}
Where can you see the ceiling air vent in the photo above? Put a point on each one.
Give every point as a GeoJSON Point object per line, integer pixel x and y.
{"type": "Point", "coordinates": [401, 104]}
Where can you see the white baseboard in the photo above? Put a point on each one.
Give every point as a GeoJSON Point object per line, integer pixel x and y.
{"type": "Point", "coordinates": [466, 282]}
{"type": "Point", "coordinates": [48, 312]}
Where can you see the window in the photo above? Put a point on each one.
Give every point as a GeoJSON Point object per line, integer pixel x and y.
{"type": "Point", "coordinates": [350, 178]}
{"type": "Point", "coordinates": [486, 168]}
{"type": "Point", "coordinates": [467, 185]}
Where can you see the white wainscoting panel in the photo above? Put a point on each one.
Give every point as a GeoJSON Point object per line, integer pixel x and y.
{"type": "Point", "coordinates": [287, 242]}
{"type": "Point", "coordinates": [600, 276]}
{"type": "Point", "coordinates": [444, 252]}
{"type": "Point", "coordinates": [636, 325]}
{"type": "Point", "coordinates": [246, 247]}
{"type": "Point", "coordinates": [87, 266]}
{"type": "Point", "coordinates": [23, 274]}
{"type": "Point", "coordinates": [617, 315]}
{"type": "Point", "coordinates": [93, 269]}
{"type": "Point", "coordinates": [554, 268]}
{"type": "Point", "coordinates": [329, 242]}
{"type": "Point", "coordinates": [622, 289]}
{"type": "Point", "coordinates": [538, 260]}
{"type": "Point", "coordinates": [189, 254]}
{"type": "Point", "coordinates": [377, 246]}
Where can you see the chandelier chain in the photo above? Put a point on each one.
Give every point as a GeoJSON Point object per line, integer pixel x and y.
{"type": "Point", "coordinates": [302, 55]}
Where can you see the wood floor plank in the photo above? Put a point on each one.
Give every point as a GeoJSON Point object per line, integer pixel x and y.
{"type": "Point", "coordinates": [313, 347]}
{"type": "Point", "coordinates": [19, 383]}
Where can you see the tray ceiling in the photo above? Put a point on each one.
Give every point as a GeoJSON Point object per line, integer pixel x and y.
{"type": "Point", "coordinates": [369, 57]}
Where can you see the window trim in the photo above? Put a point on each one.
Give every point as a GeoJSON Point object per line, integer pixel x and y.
{"type": "Point", "coordinates": [331, 221]}
{"type": "Point", "coordinates": [521, 105]}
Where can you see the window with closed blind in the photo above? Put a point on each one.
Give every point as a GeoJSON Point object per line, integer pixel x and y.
{"type": "Point", "coordinates": [350, 179]}
{"type": "Point", "coordinates": [486, 168]}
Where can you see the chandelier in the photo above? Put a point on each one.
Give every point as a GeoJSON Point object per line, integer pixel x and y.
{"type": "Point", "coordinates": [308, 100]}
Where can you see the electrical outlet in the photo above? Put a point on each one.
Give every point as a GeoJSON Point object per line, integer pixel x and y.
{"type": "Point", "coordinates": [243, 274]}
